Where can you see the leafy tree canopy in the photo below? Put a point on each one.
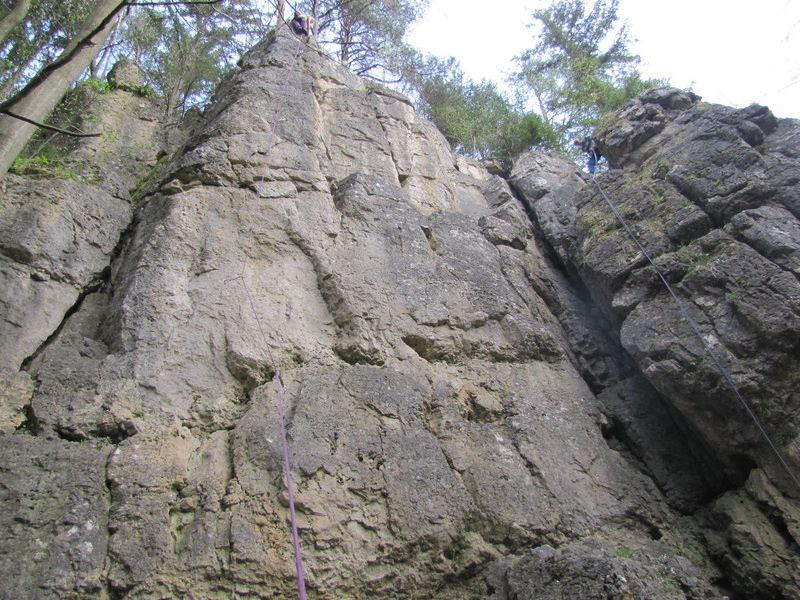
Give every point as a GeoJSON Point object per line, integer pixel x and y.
{"type": "Point", "coordinates": [185, 49]}
{"type": "Point", "coordinates": [474, 117]}
{"type": "Point", "coordinates": [45, 30]}
{"type": "Point", "coordinates": [581, 66]}
{"type": "Point", "coordinates": [367, 35]}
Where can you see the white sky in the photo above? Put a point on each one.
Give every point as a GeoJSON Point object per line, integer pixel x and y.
{"type": "Point", "coordinates": [732, 52]}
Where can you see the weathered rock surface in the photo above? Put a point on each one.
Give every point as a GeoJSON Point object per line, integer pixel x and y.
{"type": "Point", "coordinates": [54, 541]}
{"type": "Point", "coordinates": [57, 236]}
{"type": "Point", "coordinates": [467, 418]}
{"type": "Point", "coordinates": [706, 191]}
{"type": "Point", "coordinates": [593, 568]}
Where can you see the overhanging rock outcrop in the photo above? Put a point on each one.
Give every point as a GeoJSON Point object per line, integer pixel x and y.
{"type": "Point", "coordinates": [710, 192]}
{"type": "Point", "coordinates": [446, 381]}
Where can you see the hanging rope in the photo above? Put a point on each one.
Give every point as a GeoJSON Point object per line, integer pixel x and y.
{"type": "Point", "coordinates": [277, 378]}
{"type": "Point", "coordinates": [277, 111]}
{"type": "Point", "coordinates": [693, 324]}
{"type": "Point", "coordinates": [287, 472]}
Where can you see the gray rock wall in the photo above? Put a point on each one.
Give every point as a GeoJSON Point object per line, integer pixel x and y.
{"type": "Point", "coordinates": [465, 418]}
{"type": "Point", "coordinates": [708, 190]}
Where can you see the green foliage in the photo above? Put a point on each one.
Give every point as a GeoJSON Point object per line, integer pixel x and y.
{"type": "Point", "coordinates": [185, 50]}
{"type": "Point", "coordinates": [594, 220]}
{"type": "Point", "coordinates": [624, 552]}
{"type": "Point", "coordinates": [367, 35]}
{"type": "Point", "coordinates": [47, 28]}
{"type": "Point", "coordinates": [694, 256]}
{"type": "Point", "coordinates": [580, 68]}
{"type": "Point", "coordinates": [526, 131]}
{"type": "Point", "coordinates": [475, 118]}
{"type": "Point", "coordinates": [50, 167]}
{"type": "Point", "coordinates": [101, 86]}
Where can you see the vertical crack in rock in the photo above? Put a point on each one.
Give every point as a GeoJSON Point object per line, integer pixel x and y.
{"type": "Point", "coordinates": [401, 173]}
{"type": "Point", "coordinates": [111, 589]}
{"type": "Point", "coordinates": [94, 286]}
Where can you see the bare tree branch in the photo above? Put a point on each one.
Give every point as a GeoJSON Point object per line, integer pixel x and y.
{"type": "Point", "coordinates": [227, 16]}
{"type": "Point", "coordinates": [63, 59]}
{"type": "Point", "coordinates": [48, 127]}
{"type": "Point", "coordinates": [166, 3]}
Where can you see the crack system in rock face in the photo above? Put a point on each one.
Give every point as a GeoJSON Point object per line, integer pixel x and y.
{"type": "Point", "coordinates": [471, 394]}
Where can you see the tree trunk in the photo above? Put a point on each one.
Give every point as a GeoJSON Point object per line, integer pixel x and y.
{"type": "Point", "coordinates": [344, 51]}
{"type": "Point", "coordinates": [36, 100]}
{"type": "Point", "coordinates": [280, 11]}
{"type": "Point", "coordinates": [14, 17]}
{"type": "Point", "coordinates": [99, 65]}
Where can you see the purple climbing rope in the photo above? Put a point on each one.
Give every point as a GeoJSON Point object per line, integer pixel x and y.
{"type": "Point", "coordinates": [279, 388]}
{"type": "Point", "coordinates": [287, 473]}
{"type": "Point", "coordinates": [298, 557]}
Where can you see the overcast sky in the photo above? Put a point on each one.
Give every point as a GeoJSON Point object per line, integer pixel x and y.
{"type": "Point", "coordinates": [732, 52]}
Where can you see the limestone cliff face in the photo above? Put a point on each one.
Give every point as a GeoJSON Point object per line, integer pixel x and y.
{"type": "Point", "coordinates": [488, 396]}
{"type": "Point", "coordinates": [711, 193]}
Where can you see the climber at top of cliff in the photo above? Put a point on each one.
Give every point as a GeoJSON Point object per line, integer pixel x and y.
{"type": "Point", "coordinates": [589, 145]}
{"type": "Point", "coordinates": [302, 24]}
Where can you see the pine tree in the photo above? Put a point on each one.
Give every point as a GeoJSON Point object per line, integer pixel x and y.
{"type": "Point", "coordinates": [580, 67]}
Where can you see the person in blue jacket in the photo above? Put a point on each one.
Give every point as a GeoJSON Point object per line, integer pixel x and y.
{"type": "Point", "coordinates": [589, 145]}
